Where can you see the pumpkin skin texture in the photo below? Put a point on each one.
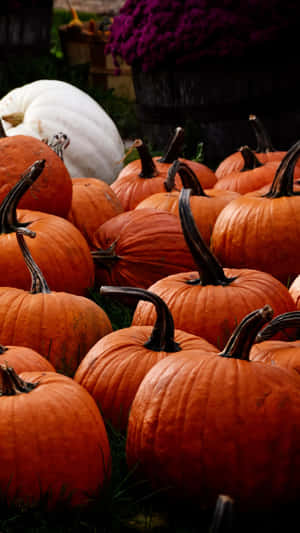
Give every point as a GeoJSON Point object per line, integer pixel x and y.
{"type": "Point", "coordinates": [146, 176]}
{"type": "Point", "coordinates": [56, 438]}
{"type": "Point", "coordinates": [60, 326]}
{"type": "Point", "coordinates": [49, 106]}
{"type": "Point", "coordinates": [138, 247]}
{"type": "Point", "coordinates": [114, 367]}
{"type": "Point", "coordinates": [205, 204]}
{"type": "Point", "coordinates": [93, 202]}
{"type": "Point", "coordinates": [295, 291]}
{"type": "Point", "coordinates": [53, 193]}
{"type": "Point", "coordinates": [252, 229]}
{"type": "Point", "coordinates": [24, 359]}
{"type": "Point", "coordinates": [219, 298]}
{"type": "Point", "coordinates": [59, 247]}
{"type": "Point", "coordinates": [193, 436]}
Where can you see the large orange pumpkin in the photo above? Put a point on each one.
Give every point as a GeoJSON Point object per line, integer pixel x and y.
{"type": "Point", "coordinates": [53, 193]}
{"type": "Point", "coordinates": [138, 247]}
{"type": "Point", "coordinates": [262, 231]}
{"type": "Point", "coordinates": [60, 326]}
{"type": "Point", "coordinates": [210, 302]}
{"type": "Point", "coordinates": [60, 249]}
{"type": "Point", "coordinates": [53, 443]}
{"type": "Point", "coordinates": [219, 424]}
{"type": "Point", "coordinates": [114, 367]}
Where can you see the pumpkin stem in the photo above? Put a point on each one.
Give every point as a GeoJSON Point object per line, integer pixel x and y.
{"type": "Point", "coordinates": [8, 215]}
{"type": "Point", "coordinates": [2, 130]}
{"type": "Point", "coordinates": [59, 142]}
{"type": "Point", "coordinates": [105, 258]}
{"type": "Point", "coordinates": [250, 159]}
{"type": "Point", "coordinates": [11, 384]}
{"type": "Point", "coordinates": [149, 169]}
{"type": "Point", "coordinates": [174, 146]}
{"type": "Point", "coordinates": [187, 176]}
{"type": "Point", "coordinates": [3, 349]}
{"type": "Point", "coordinates": [223, 516]}
{"type": "Point", "coordinates": [283, 181]}
{"type": "Point", "coordinates": [243, 337]}
{"type": "Point", "coordinates": [263, 139]}
{"type": "Point", "coordinates": [162, 336]}
{"type": "Point", "coordinates": [280, 322]}
{"type": "Point", "coordinates": [38, 282]}
{"type": "Point", "coordinates": [210, 270]}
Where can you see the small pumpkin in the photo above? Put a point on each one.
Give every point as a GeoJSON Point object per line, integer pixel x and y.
{"type": "Point", "coordinates": [261, 231]}
{"type": "Point", "coordinates": [138, 247]}
{"type": "Point", "coordinates": [60, 326]}
{"type": "Point", "coordinates": [205, 204]}
{"type": "Point", "coordinates": [93, 202]}
{"type": "Point", "coordinates": [146, 175]}
{"type": "Point", "coordinates": [56, 437]}
{"type": "Point", "coordinates": [60, 248]}
{"type": "Point", "coordinates": [114, 367]}
{"type": "Point", "coordinates": [24, 359]}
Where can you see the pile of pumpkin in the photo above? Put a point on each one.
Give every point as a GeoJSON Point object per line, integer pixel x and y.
{"type": "Point", "coordinates": [205, 382]}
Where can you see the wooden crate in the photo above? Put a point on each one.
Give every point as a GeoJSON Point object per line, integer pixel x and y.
{"type": "Point", "coordinates": [79, 46]}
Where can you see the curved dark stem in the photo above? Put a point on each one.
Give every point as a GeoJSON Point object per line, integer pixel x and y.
{"type": "Point", "coordinates": [2, 130]}
{"type": "Point", "coordinates": [59, 142]}
{"type": "Point", "coordinates": [283, 183]}
{"type": "Point", "coordinates": [263, 139]}
{"type": "Point", "coordinates": [38, 282]}
{"type": "Point", "coordinates": [223, 517]}
{"type": "Point", "coordinates": [105, 258]}
{"type": "Point", "coordinates": [174, 146]}
{"type": "Point", "coordinates": [8, 214]}
{"type": "Point", "coordinates": [210, 270]}
{"type": "Point", "coordinates": [11, 384]}
{"type": "Point", "coordinates": [162, 336]}
{"type": "Point", "coordinates": [250, 159]}
{"type": "Point", "coordinates": [243, 337]}
{"type": "Point", "coordinates": [279, 323]}
{"type": "Point", "coordinates": [149, 169]}
{"type": "Point", "coordinates": [187, 176]}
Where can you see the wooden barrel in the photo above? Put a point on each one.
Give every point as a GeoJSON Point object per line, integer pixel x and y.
{"type": "Point", "coordinates": [217, 97]}
{"type": "Point", "coordinates": [25, 30]}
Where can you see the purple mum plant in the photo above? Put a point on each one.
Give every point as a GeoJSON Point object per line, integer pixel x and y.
{"type": "Point", "coordinates": [150, 34]}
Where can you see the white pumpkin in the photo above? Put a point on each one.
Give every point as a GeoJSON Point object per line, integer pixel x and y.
{"type": "Point", "coordinates": [45, 107]}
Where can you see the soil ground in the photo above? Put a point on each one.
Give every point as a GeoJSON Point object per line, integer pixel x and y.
{"type": "Point", "coordinates": [91, 6]}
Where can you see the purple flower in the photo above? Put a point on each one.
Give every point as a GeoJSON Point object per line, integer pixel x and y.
{"type": "Point", "coordinates": [156, 33]}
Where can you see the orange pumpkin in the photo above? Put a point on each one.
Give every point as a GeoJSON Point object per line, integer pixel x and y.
{"type": "Point", "coordinates": [283, 353]}
{"type": "Point", "coordinates": [53, 194]}
{"type": "Point", "coordinates": [54, 449]}
{"type": "Point", "coordinates": [146, 176]}
{"type": "Point", "coordinates": [210, 302]}
{"type": "Point", "coordinates": [24, 359]}
{"type": "Point", "coordinates": [261, 232]}
{"type": "Point", "coordinates": [60, 248]}
{"type": "Point", "coordinates": [204, 426]}
{"type": "Point", "coordinates": [93, 202]}
{"type": "Point", "coordinates": [264, 151]}
{"type": "Point", "coordinates": [138, 247]}
{"type": "Point", "coordinates": [205, 204]}
{"type": "Point", "coordinates": [114, 367]}
{"type": "Point", "coordinates": [60, 326]}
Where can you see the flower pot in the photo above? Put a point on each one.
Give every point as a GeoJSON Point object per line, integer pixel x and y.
{"type": "Point", "coordinates": [216, 97]}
